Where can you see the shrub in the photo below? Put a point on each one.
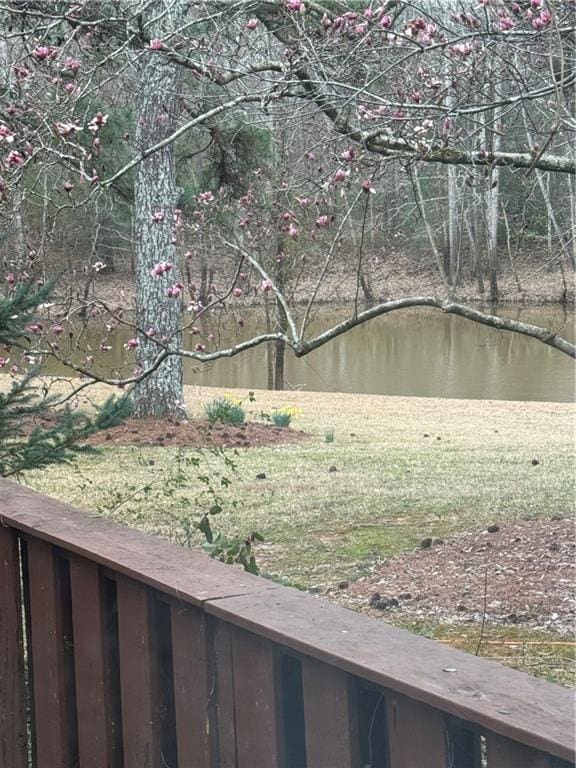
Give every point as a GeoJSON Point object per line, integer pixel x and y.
{"type": "Point", "coordinates": [281, 418]}
{"type": "Point", "coordinates": [225, 411]}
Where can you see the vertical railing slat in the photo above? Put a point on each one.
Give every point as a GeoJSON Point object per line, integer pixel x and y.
{"type": "Point", "coordinates": [505, 753]}
{"type": "Point", "coordinates": [224, 695]}
{"type": "Point", "coordinates": [89, 659]}
{"type": "Point", "coordinates": [329, 719]}
{"type": "Point", "coordinates": [191, 685]}
{"type": "Point", "coordinates": [48, 657]}
{"type": "Point", "coordinates": [255, 701]}
{"type": "Point", "coordinates": [139, 724]}
{"type": "Point", "coordinates": [13, 738]}
{"type": "Point", "coordinates": [416, 733]}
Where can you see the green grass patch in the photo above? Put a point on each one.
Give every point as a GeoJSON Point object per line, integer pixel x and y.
{"type": "Point", "coordinates": [331, 511]}
{"type": "Point", "coordinates": [544, 654]}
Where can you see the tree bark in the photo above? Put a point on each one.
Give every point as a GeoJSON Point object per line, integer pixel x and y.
{"type": "Point", "coordinates": [156, 196]}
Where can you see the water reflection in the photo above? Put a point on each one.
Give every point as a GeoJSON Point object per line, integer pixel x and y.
{"type": "Point", "coordinates": [419, 352]}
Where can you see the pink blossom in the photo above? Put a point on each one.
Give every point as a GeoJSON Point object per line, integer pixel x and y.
{"type": "Point", "coordinates": [340, 175]}
{"type": "Point", "coordinates": [348, 153]}
{"type": "Point", "coordinates": [211, 337]}
{"type": "Point", "coordinates": [266, 286]}
{"type": "Point", "coordinates": [13, 369]}
{"type": "Point", "coordinates": [251, 24]}
{"type": "Point", "coordinates": [57, 329]}
{"type": "Point", "coordinates": [4, 361]}
{"type": "Point", "coordinates": [21, 72]}
{"type": "Point", "coordinates": [43, 52]}
{"type": "Point", "coordinates": [322, 221]}
{"type": "Point", "coordinates": [158, 216]}
{"type": "Point", "coordinates": [156, 44]}
{"type": "Point", "coordinates": [310, 156]}
{"type": "Point", "coordinates": [537, 4]}
{"type": "Point", "coordinates": [386, 21]}
{"type": "Point", "coordinates": [305, 202]}
{"type": "Point", "coordinates": [237, 292]}
{"type": "Point", "coordinates": [292, 232]}
{"type": "Point", "coordinates": [542, 20]}
{"type": "Point", "coordinates": [367, 186]}
{"type": "Point", "coordinates": [243, 223]}
{"type": "Point", "coordinates": [98, 266]}
{"type": "Point", "coordinates": [174, 291]}
{"type": "Point", "coordinates": [206, 197]}
{"type": "Point", "coordinates": [6, 134]}
{"type": "Point", "coordinates": [200, 348]}
{"type": "Point", "coordinates": [34, 328]}
{"type": "Point", "coordinates": [98, 121]}
{"type": "Point", "coordinates": [68, 186]}
{"type": "Point", "coordinates": [10, 279]}
{"type": "Point", "coordinates": [14, 158]}
{"type": "Point", "coordinates": [71, 88]}
{"type": "Point", "coordinates": [71, 64]}
{"type": "Point", "coordinates": [67, 129]}
{"type": "Point", "coordinates": [416, 97]}
{"type": "Point", "coordinates": [368, 13]}
{"type": "Point", "coordinates": [294, 5]}
{"type": "Point", "coordinates": [132, 344]}
{"type": "Point", "coordinates": [505, 23]}
{"type": "Point", "coordinates": [161, 268]}
{"type": "Point", "coordinates": [151, 332]}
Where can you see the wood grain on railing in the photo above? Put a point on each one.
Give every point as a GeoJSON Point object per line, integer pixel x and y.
{"type": "Point", "coordinates": [121, 650]}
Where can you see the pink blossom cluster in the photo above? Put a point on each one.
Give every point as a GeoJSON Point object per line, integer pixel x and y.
{"type": "Point", "coordinates": [161, 268]}
{"type": "Point", "coordinates": [44, 52]}
{"type": "Point", "coordinates": [6, 135]}
{"type": "Point", "coordinates": [174, 290]}
{"type": "Point", "coordinates": [98, 121]}
{"type": "Point", "coordinates": [420, 30]}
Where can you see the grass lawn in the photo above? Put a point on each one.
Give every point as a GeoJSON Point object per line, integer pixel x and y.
{"type": "Point", "coordinates": [406, 469]}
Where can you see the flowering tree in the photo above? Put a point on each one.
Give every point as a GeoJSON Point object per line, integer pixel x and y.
{"type": "Point", "coordinates": [159, 104]}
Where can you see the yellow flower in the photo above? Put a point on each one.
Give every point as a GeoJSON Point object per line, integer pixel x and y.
{"type": "Point", "coordinates": [233, 399]}
{"type": "Point", "coordinates": [292, 411]}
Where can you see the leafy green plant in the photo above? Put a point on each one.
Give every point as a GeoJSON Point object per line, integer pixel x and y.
{"type": "Point", "coordinates": [224, 411]}
{"type": "Point", "coordinates": [281, 418]}
{"type": "Point", "coordinates": [190, 493]}
{"type": "Point", "coordinates": [36, 429]}
{"type": "Point", "coordinates": [329, 436]}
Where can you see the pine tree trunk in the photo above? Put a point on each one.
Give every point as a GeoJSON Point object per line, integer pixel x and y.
{"type": "Point", "coordinates": [155, 197]}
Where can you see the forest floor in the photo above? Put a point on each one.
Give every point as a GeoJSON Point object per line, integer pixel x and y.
{"type": "Point", "coordinates": [400, 272]}
{"type": "Point", "coordinates": [452, 518]}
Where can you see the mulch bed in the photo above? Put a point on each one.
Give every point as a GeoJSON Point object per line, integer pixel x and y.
{"type": "Point", "coordinates": [198, 433]}
{"type": "Point", "coordinates": [517, 573]}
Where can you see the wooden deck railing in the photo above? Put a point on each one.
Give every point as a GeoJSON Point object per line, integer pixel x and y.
{"type": "Point", "coordinates": [121, 649]}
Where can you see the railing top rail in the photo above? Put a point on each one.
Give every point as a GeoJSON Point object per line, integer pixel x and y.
{"type": "Point", "coordinates": [500, 699]}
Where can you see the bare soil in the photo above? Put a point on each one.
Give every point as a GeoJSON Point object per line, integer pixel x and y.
{"type": "Point", "coordinates": [198, 433]}
{"type": "Point", "coordinates": [512, 573]}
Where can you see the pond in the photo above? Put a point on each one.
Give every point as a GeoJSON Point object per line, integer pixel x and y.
{"type": "Point", "coordinates": [419, 352]}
